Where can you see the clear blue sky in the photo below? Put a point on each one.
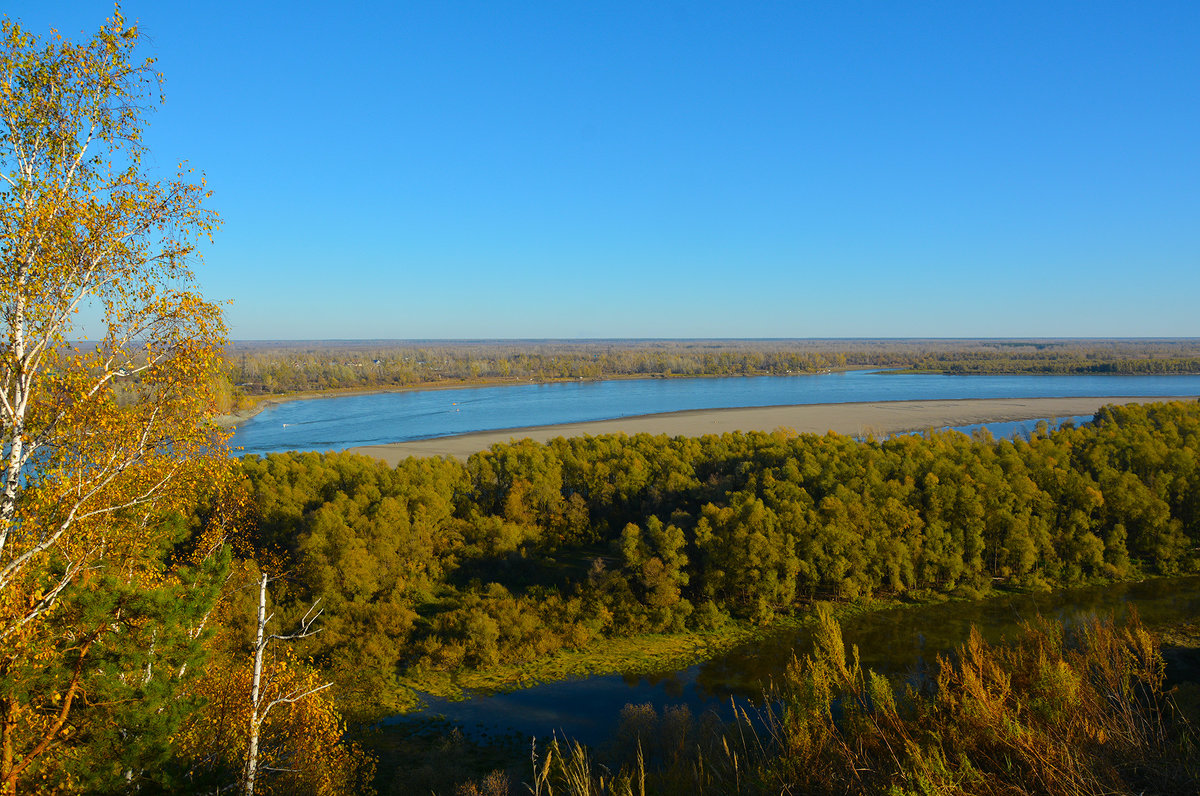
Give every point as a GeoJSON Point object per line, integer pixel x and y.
{"type": "Point", "coordinates": [686, 169]}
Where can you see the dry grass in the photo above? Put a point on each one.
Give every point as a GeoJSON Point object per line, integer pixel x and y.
{"type": "Point", "coordinates": [1080, 711]}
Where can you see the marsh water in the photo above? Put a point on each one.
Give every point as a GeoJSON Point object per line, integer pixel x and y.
{"type": "Point", "coordinates": [900, 642]}
{"type": "Point", "coordinates": [335, 423]}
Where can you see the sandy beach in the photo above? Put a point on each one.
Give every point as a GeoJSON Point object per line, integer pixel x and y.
{"type": "Point", "coordinates": [876, 417]}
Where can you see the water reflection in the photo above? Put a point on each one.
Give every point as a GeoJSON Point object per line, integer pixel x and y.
{"type": "Point", "coordinates": [902, 643]}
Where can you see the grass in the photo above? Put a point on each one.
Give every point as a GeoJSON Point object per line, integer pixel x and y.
{"type": "Point", "coordinates": [648, 654]}
{"type": "Point", "coordinates": [637, 655]}
{"type": "Point", "coordinates": [1055, 711]}
{"type": "Point", "coordinates": [1058, 695]}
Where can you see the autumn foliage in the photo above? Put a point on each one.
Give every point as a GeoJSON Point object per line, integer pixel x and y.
{"type": "Point", "coordinates": [1058, 711]}
{"type": "Point", "coordinates": [304, 750]}
{"type": "Point", "coordinates": [109, 568]}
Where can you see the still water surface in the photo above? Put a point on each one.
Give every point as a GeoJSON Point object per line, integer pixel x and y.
{"type": "Point", "coordinates": [899, 642]}
{"type": "Point", "coordinates": [336, 423]}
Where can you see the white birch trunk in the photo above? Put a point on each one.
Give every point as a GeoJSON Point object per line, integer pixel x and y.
{"type": "Point", "coordinates": [260, 647]}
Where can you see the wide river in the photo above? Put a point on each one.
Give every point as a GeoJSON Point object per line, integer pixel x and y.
{"type": "Point", "coordinates": [335, 423]}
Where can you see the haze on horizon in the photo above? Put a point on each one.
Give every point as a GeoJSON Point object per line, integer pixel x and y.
{"type": "Point", "coordinates": [673, 170]}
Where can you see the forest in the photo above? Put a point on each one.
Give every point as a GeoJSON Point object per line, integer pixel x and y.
{"type": "Point", "coordinates": [437, 567]}
{"type": "Point", "coordinates": [273, 368]}
{"type": "Point", "coordinates": [526, 549]}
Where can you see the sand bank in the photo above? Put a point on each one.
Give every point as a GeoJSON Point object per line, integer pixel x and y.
{"type": "Point", "coordinates": [876, 417]}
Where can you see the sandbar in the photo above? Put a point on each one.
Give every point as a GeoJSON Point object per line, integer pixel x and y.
{"type": "Point", "coordinates": [877, 418]}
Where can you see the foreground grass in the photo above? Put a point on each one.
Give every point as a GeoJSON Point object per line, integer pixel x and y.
{"type": "Point", "coordinates": [1055, 711]}
{"type": "Point", "coordinates": [636, 655]}
{"type": "Point", "coordinates": [444, 758]}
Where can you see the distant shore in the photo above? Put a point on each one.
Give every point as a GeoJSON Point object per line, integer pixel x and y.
{"type": "Point", "coordinates": [859, 419]}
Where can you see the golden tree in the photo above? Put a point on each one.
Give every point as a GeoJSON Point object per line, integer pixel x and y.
{"type": "Point", "coordinates": [100, 439]}
{"type": "Point", "coordinates": [267, 713]}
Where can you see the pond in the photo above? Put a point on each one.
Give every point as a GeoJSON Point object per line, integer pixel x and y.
{"type": "Point", "coordinates": [895, 641]}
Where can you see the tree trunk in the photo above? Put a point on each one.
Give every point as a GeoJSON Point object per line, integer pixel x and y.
{"type": "Point", "coordinates": [8, 727]}
{"type": "Point", "coordinates": [255, 722]}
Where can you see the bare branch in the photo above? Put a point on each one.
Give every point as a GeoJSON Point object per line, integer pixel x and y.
{"type": "Point", "coordinates": [289, 699]}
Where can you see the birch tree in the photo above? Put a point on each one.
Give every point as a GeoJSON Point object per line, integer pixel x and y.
{"type": "Point", "coordinates": [265, 696]}
{"type": "Point", "coordinates": [268, 721]}
{"type": "Point", "coordinates": [100, 437]}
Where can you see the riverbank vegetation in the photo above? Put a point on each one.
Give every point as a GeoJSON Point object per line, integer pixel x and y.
{"type": "Point", "coordinates": [533, 561]}
{"type": "Point", "coordinates": [278, 368]}
{"type": "Point", "coordinates": [528, 560]}
{"type": "Point", "coordinates": [1057, 710]}
{"type": "Point", "coordinates": [437, 566]}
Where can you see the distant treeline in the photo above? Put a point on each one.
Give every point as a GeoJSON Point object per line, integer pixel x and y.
{"type": "Point", "coordinates": [527, 548]}
{"type": "Point", "coordinates": [1129, 358]}
{"type": "Point", "coordinates": [273, 368]}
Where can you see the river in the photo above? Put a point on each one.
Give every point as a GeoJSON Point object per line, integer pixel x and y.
{"type": "Point", "coordinates": [323, 424]}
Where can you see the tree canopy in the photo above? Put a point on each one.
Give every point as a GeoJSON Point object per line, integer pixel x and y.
{"type": "Point", "coordinates": [526, 548]}
{"type": "Point", "coordinates": [110, 571]}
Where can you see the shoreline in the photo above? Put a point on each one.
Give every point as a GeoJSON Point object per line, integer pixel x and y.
{"type": "Point", "coordinates": [856, 419]}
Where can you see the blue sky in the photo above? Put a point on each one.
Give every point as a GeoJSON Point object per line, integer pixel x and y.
{"type": "Point", "coordinates": [685, 169]}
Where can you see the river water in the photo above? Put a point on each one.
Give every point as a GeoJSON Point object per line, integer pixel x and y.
{"type": "Point", "coordinates": [335, 423]}
{"type": "Point", "coordinates": [899, 642]}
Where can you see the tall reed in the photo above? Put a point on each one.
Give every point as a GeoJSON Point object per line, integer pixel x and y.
{"type": "Point", "coordinates": [1070, 711]}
